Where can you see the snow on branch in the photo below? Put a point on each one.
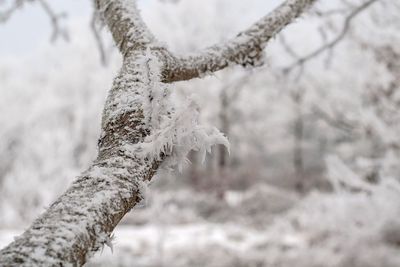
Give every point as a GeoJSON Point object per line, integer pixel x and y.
{"type": "Point", "coordinates": [123, 19]}
{"type": "Point", "coordinates": [245, 49]}
{"type": "Point", "coordinates": [142, 128]}
{"type": "Point", "coordinates": [174, 129]}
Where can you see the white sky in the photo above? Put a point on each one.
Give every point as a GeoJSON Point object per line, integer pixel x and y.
{"type": "Point", "coordinates": [29, 27]}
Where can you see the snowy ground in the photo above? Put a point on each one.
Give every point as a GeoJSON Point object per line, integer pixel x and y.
{"type": "Point", "coordinates": [182, 245]}
{"type": "Point", "coordinates": [342, 229]}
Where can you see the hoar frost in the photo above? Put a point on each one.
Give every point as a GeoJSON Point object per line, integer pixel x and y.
{"type": "Point", "coordinates": [175, 129]}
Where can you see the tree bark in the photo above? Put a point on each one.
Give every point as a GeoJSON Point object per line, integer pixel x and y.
{"type": "Point", "coordinates": [81, 221]}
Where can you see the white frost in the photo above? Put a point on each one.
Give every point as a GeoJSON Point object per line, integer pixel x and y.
{"type": "Point", "coordinates": [175, 129]}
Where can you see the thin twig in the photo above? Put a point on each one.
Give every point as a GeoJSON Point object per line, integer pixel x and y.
{"type": "Point", "coordinates": [55, 21]}
{"type": "Point", "coordinates": [6, 14]}
{"type": "Point", "coordinates": [330, 45]}
{"type": "Point", "coordinates": [99, 40]}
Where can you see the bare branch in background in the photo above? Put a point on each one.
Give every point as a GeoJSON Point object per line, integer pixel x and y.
{"type": "Point", "coordinates": [287, 47]}
{"type": "Point", "coordinates": [330, 45]}
{"type": "Point", "coordinates": [289, 50]}
{"type": "Point", "coordinates": [337, 121]}
{"type": "Point", "coordinates": [245, 49]}
{"type": "Point", "coordinates": [6, 14]}
{"type": "Point", "coordinates": [96, 30]}
{"type": "Point", "coordinates": [58, 30]}
{"type": "Point", "coordinates": [330, 12]}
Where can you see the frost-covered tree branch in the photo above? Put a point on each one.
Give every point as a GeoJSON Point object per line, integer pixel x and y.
{"type": "Point", "coordinates": [127, 27]}
{"type": "Point", "coordinates": [245, 49]}
{"type": "Point", "coordinates": [141, 129]}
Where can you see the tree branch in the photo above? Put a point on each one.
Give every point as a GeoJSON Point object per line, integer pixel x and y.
{"type": "Point", "coordinates": [126, 25]}
{"type": "Point", "coordinates": [55, 22]}
{"type": "Point", "coordinates": [330, 45]}
{"type": "Point", "coordinates": [54, 17]}
{"type": "Point", "coordinates": [98, 39]}
{"type": "Point", "coordinates": [6, 14]}
{"type": "Point", "coordinates": [81, 221]}
{"type": "Point", "coordinates": [245, 49]}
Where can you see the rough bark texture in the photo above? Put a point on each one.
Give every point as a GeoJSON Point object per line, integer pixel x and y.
{"type": "Point", "coordinates": [81, 221]}
{"type": "Point", "coordinates": [245, 49]}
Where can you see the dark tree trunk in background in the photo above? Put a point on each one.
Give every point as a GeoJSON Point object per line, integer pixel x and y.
{"type": "Point", "coordinates": [222, 152]}
{"type": "Point", "coordinates": [298, 132]}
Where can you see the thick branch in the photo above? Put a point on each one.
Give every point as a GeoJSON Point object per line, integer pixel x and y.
{"type": "Point", "coordinates": [245, 49]}
{"type": "Point", "coordinates": [126, 25]}
{"type": "Point", "coordinates": [82, 219]}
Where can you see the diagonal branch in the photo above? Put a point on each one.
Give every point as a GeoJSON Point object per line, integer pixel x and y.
{"type": "Point", "coordinates": [81, 221]}
{"type": "Point", "coordinates": [55, 22]}
{"type": "Point", "coordinates": [245, 49]}
{"type": "Point", "coordinates": [129, 31]}
{"type": "Point", "coordinates": [330, 45]}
